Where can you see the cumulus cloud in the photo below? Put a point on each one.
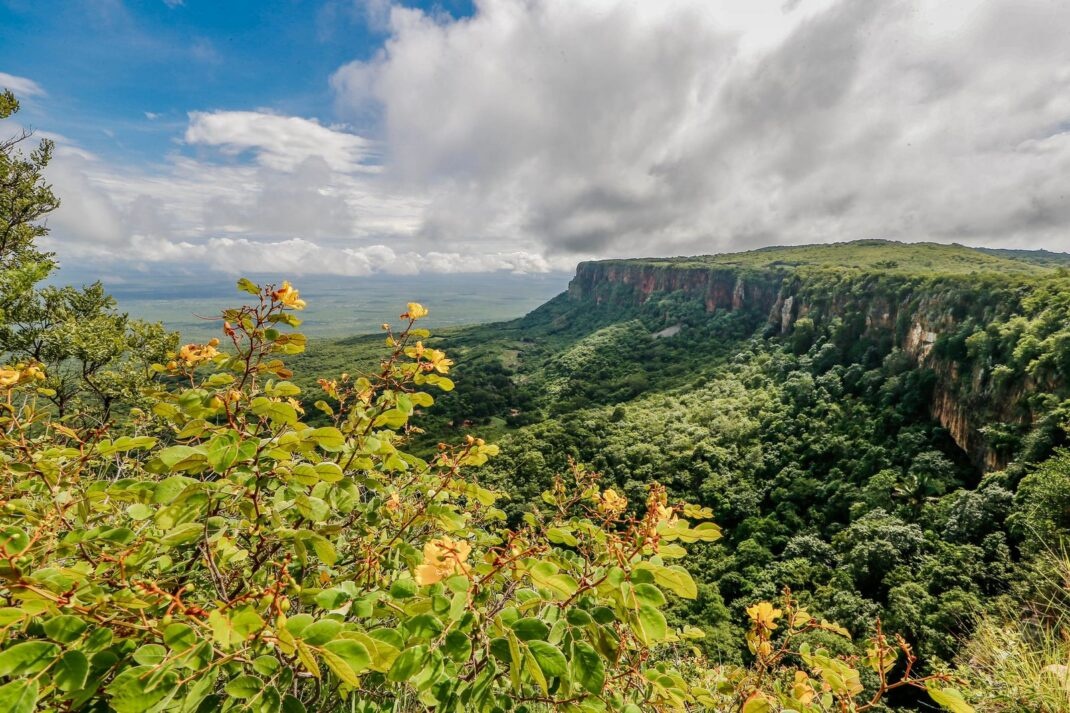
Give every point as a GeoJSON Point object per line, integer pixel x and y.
{"type": "Point", "coordinates": [539, 132]}
{"type": "Point", "coordinates": [21, 86]}
{"type": "Point", "coordinates": [290, 209]}
{"type": "Point", "coordinates": [279, 142]}
{"type": "Point", "coordinates": [628, 127]}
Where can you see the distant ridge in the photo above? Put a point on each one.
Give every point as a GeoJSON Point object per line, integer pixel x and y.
{"type": "Point", "coordinates": [873, 255]}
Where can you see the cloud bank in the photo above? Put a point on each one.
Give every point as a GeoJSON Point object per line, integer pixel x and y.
{"type": "Point", "coordinates": [540, 132]}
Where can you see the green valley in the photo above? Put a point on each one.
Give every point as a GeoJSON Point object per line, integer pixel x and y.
{"type": "Point", "coordinates": [878, 426]}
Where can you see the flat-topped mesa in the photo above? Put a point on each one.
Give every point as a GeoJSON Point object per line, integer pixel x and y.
{"type": "Point", "coordinates": [718, 288]}
{"type": "Point", "coordinates": [909, 304]}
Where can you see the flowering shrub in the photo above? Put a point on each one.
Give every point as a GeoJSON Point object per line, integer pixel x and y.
{"type": "Point", "coordinates": [222, 553]}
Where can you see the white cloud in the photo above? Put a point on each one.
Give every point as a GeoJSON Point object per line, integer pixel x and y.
{"type": "Point", "coordinates": [21, 86]}
{"type": "Point", "coordinates": [279, 142]}
{"type": "Point", "coordinates": [540, 132]}
{"type": "Point", "coordinates": [630, 127]}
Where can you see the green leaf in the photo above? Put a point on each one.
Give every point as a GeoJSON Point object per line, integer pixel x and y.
{"type": "Point", "coordinates": [328, 438]}
{"type": "Point", "coordinates": [179, 637]}
{"type": "Point", "coordinates": [13, 540]}
{"type": "Point", "coordinates": [19, 696]}
{"type": "Point", "coordinates": [403, 589]}
{"type": "Point", "coordinates": [150, 654]}
{"type": "Point", "coordinates": [674, 578]}
{"type": "Point", "coordinates": [276, 411]}
{"type": "Point", "coordinates": [948, 698]}
{"type": "Point", "coordinates": [246, 285]}
{"type": "Point", "coordinates": [549, 657]}
{"type": "Point", "coordinates": [64, 629]}
{"type": "Point", "coordinates": [244, 686]}
{"type": "Point", "coordinates": [408, 663]}
{"type": "Point", "coordinates": [457, 646]}
{"type": "Point", "coordinates": [347, 658]}
{"type": "Point", "coordinates": [321, 632]}
{"type": "Point", "coordinates": [530, 628]}
{"type": "Point", "coordinates": [649, 625]}
{"type": "Point", "coordinates": [27, 657]}
{"type": "Point", "coordinates": [587, 667]}
{"type": "Point", "coordinates": [139, 511]}
{"type": "Point", "coordinates": [561, 536]}
{"type": "Point", "coordinates": [292, 705]}
{"type": "Point", "coordinates": [183, 534]}
{"type": "Point", "coordinates": [535, 671]}
{"type": "Point", "coordinates": [266, 665]}
{"type": "Point", "coordinates": [70, 672]}
{"type": "Point", "coordinates": [137, 689]}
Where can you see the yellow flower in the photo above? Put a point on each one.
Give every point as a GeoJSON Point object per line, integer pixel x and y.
{"type": "Point", "coordinates": [443, 557]}
{"type": "Point", "coordinates": [416, 311]}
{"type": "Point", "coordinates": [666, 514]}
{"type": "Point", "coordinates": [288, 296]}
{"type": "Point", "coordinates": [9, 377]}
{"type": "Point", "coordinates": [438, 361]}
{"type": "Point", "coordinates": [764, 615]}
{"type": "Point", "coordinates": [193, 354]}
{"type": "Point", "coordinates": [393, 503]}
{"type": "Point", "coordinates": [610, 503]}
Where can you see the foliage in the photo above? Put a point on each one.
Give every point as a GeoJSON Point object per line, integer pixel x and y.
{"type": "Point", "coordinates": [225, 553]}
{"type": "Point", "coordinates": [94, 356]}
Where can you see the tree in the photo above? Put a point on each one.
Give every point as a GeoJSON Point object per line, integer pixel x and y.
{"type": "Point", "coordinates": [25, 199]}
{"type": "Point", "coordinates": [94, 356]}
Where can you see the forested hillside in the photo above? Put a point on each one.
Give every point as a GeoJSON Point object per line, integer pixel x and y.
{"type": "Point", "coordinates": [878, 426]}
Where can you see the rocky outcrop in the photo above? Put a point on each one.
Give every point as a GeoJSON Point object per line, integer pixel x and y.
{"type": "Point", "coordinates": [908, 313]}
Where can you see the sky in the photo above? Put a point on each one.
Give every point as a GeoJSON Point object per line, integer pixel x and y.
{"type": "Point", "coordinates": [368, 136]}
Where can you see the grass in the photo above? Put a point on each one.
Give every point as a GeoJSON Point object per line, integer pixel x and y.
{"type": "Point", "coordinates": [882, 256]}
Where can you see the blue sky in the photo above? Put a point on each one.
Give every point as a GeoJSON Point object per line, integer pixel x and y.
{"type": "Point", "coordinates": [106, 63]}
{"type": "Point", "coordinates": [372, 136]}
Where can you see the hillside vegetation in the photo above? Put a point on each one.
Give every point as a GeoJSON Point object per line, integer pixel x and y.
{"type": "Point", "coordinates": [879, 427]}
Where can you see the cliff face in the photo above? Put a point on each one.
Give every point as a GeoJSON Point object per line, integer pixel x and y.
{"type": "Point", "coordinates": [908, 313]}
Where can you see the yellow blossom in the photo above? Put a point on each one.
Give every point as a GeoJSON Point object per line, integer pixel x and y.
{"type": "Point", "coordinates": [9, 377]}
{"type": "Point", "coordinates": [610, 503]}
{"type": "Point", "coordinates": [288, 296]}
{"type": "Point", "coordinates": [416, 311]}
{"type": "Point", "coordinates": [764, 615]}
{"type": "Point", "coordinates": [666, 514]}
{"type": "Point", "coordinates": [193, 354]}
{"type": "Point", "coordinates": [443, 557]}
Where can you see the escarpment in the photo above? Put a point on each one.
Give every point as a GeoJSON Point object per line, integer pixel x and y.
{"type": "Point", "coordinates": [926, 317]}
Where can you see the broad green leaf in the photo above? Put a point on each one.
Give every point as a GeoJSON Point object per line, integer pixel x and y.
{"type": "Point", "coordinates": [27, 657]}
{"type": "Point", "coordinates": [244, 686]}
{"type": "Point", "coordinates": [150, 654]}
{"type": "Point", "coordinates": [530, 628]}
{"type": "Point", "coordinates": [948, 698]}
{"type": "Point", "coordinates": [321, 632]}
{"type": "Point", "coordinates": [64, 629]}
{"type": "Point", "coordinates": [649, 625]}
{"type": "Point", "coordinates": [549, 657]}
{"type": "Point", "coordinates": [328, 438]}
{"type": "Point", "coordinates": [179, 637]}
{"type": "Point", "coordinates": [347, 658]}
{"type": "Point", "coordinates": [587, 667]}
{"type": "Point", "coordinates": [69, 673]}
{"type": "Point", "coordinates": [138, 688]}
{"type": "Point", "coordinates": [408, 663]}
{"type": "Point", "coordinates": [19, 696]}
